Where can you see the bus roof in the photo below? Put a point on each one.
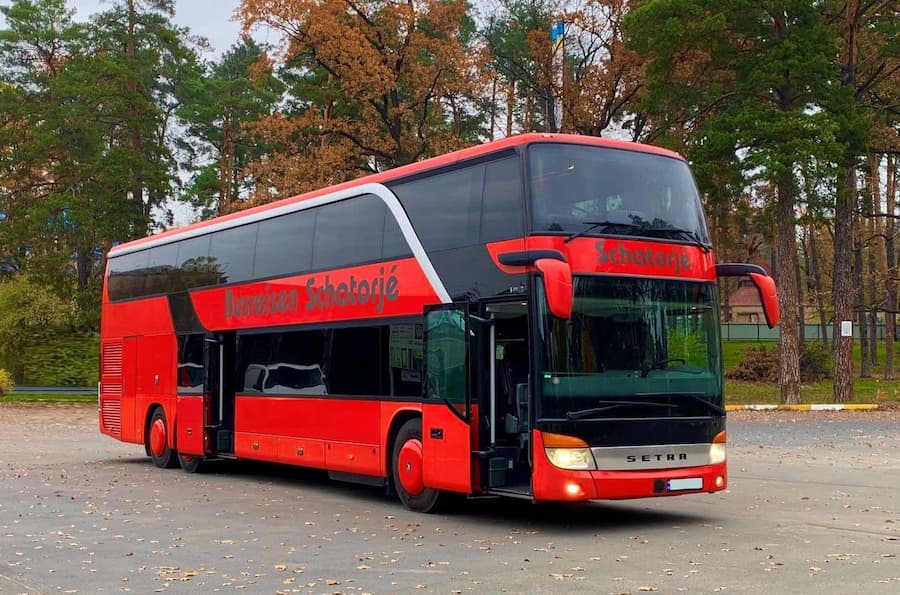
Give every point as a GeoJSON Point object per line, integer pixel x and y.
{"type": "Point", "coordinates": [401, 172]}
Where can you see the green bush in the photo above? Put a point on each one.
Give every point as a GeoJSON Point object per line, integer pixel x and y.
{"type": "Point", "coordinates": [815, 363]}
{"type": "Point", "coordinates": [759, 364]}
{"type": "Point", "coordinates": [62, 360]}
{"type": "Point", "coordinates": [6, 383]}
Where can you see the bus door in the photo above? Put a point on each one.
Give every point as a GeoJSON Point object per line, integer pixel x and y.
{"type": "Point", "coordinates": [448, 440]}
{"type": "Point", "coordinates": [508, 422]}
{"type": "Point", "coordinates": [218, 393]}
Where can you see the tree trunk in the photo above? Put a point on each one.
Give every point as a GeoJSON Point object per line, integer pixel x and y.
{"type": "Point", "coordinates": [817, 283]}
{"type": "Point", "coordinates": [890, 270]}
{"type": "Point", "coordinates": [786, 278]}
{"type": "Point", "coordinates": [874, 248]}
{"type": "Point", "coordinates": [845, 203]}
{"type": "Point", "coordinates": [861, 322]}
{"type": "Point", "coordinates": [510, 106]}
{"type": "Point", "coordinates": [137, 173]}
{"type": "Point", "coordinates": [842, 290]}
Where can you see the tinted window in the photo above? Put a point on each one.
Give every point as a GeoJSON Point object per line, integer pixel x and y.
{"type": "Point", "coordinates": [445, 209]}
{"type": "Point", "coordinates": [284, 245]}
{"type": "Point", "coordinates": [631, 192]}
{"type": "Point", "coordinates": [348, 232]}
{"type": "Point", "coordinates": [355, 365]}
{"type": "Point", "coordinates": [283, 363]}
{"type": "Point", "coordinates": [367, 360]}
{"type": "Point", "coordinates": [190, 363]}
{"type": "Point", "coordinates": [231, 253]}
{"type": "Point", "coordinates": [126, 275]}
{"type": "Point", "coordinates": [161, 270]}
{"type": "Point", "coordinates": [395, 245]}
{"type": "Point", "coordinates": [194, 264]}
{"type": "Point", "coordinates": [501, 213]}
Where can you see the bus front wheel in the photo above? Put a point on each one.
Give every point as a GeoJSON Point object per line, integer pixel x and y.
{"type": "Point", "coordinates": [158, 441]}
{"type": "Point", "coordinates": [406, 469]}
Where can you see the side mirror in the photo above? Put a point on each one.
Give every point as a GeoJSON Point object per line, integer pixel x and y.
{"type": "Point", "coordinates": [558, 283]}
{"type": "Point", "coordinates": [765, 285]}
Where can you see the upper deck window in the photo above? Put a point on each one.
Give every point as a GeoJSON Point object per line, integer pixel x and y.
{"type": "Point", "coordinates": [639, 194]}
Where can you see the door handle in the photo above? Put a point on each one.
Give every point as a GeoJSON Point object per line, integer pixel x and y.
{"type": "Point", "coordinates": [437, 433]}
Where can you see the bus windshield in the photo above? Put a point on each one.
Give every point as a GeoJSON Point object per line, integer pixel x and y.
{"type": "Point", "coordinates": [615, 191]}
{"type": "Point", "coordinates": [632, 348]}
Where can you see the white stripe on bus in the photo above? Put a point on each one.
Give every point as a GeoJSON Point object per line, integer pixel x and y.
{"type": "Point", "coordinates": [379, 190]}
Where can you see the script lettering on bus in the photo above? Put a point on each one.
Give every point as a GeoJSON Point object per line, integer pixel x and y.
{"type": "Point", "coordinates": [642, 257]}
{"type": "Point", "coordinates": [377, 291]}
{"type": "Point", "coordinates": [380, 289]}
{"type": "Point", "coordinates": [265, 303]}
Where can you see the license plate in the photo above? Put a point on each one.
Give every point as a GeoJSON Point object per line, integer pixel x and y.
{"type": "Point", "coordinates": [689, 483]}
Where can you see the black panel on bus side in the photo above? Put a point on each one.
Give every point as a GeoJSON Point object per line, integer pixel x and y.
{"type": "Point", "coordinates": [469, 274]}
{"type": "Point", "coordinates": [456, 212]}
{"type": "Point", "coordinates": [184, 316]}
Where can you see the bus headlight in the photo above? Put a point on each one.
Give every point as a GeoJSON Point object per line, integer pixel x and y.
{"type": "Point", "coordinates": [568, 452]}
{"type": "Point", "coordinates": [717, 449]}
{"type": "Point", "coordinates": [571, 458]}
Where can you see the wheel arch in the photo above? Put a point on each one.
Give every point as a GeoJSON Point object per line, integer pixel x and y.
{"type": "Point", "coordinates": [401, 416]}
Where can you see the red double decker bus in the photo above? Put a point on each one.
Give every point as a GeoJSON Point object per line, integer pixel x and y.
{"type": "Point", "coordinates": [535, 317]}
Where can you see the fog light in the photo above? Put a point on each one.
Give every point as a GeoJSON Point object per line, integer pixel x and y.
{"type": "Point", "coordinates": [573, 489]}
{"type": "Point", "coordinates": [720, 481]}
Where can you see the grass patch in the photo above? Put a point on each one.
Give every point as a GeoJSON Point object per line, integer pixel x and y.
{"type": "Point", "coordinates": [865, 390]}
{"type": "Point", "coordinates": [47, 398]}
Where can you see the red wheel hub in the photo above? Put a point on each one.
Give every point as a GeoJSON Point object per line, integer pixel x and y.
{"type": "Point", "coordinates": [158, 437]}
{"type": "Point", "coordinates": [409, 463]}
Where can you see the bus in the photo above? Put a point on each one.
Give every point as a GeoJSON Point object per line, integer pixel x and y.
{"type": "Point", "coordinates": [536, 317]}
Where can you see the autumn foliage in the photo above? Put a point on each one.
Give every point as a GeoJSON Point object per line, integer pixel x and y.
{"type": "Point", "coordinates": [389, 83]}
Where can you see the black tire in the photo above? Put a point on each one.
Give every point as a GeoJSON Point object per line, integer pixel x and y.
{"type": "Point", "coordinates": [191, 463]}
{"type": "Point", "coordinates": [428, 500]}
{"type": "Point", "coordinates": [163, 457]}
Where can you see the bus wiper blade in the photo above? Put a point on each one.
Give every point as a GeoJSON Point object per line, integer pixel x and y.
{"type": "Point", "coordinates": [603, 225]}
{"type": "Point", "coordinates": [683, 234]}
{"type": "Point", "coordinates": [712, 406]}
{"type": "Point", "coordinates": [612, 405]}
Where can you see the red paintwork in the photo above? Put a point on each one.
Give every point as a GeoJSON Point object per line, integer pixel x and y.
{"type": "Point", "coordinates": [409, 465]}
{"type": "Point", "coordinates": [189, 411]}
{"type": "Point", "coordinates": [216, 306]}
{"type": "Point", "coordinates": [414, 168]}
{"type": "Point", "coordinates": [300, 451]}
{"type": "Point", "coordinates": [361, 459]}
{"type": "Point", "coordinates": [614, 256]}
{"type": "Point", "coordinates": [158, 437]}
{"type": "Point", "coordinates": [447, 460]}
{"type": "Point", "coordinates": [558, 283]}
{"type": "Point", "coordinates": [769, 296]}
{"type": "Point", "coordinates": [341, 420]}
{"type": "Point", "coordinates": [549, 482]}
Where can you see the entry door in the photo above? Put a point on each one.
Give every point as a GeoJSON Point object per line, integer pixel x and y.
{"type": "Point", "coordinates": [446, 412]}
{"type": "Point", "coordinates": [218, 392]}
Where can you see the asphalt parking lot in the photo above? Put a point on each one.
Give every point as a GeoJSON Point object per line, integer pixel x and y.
{"type": "Point", "coordinates": [813, 506]}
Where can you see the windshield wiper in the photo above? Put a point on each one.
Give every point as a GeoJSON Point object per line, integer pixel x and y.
{"type": "Point", "coordinates": [604, 226]}
{"type": "Point", "coordinates": [712, 406]}
{"type": "Point", "coordinates": [635, 228]}
{"type": "Point", "coordinates": [691, 236]}
{"type": "Point", "coordinates": [582, 413]}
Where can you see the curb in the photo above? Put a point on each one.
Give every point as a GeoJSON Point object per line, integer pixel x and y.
{"type": "Point", "coordinates": [810, 407]}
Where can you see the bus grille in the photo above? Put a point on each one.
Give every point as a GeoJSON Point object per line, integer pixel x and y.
{"type": "Point", "coordinates": [112, 359]}
{"type": "Point", "coordinates": [111, 416]}
{"type": "Point", "coordinates": [111, 389]}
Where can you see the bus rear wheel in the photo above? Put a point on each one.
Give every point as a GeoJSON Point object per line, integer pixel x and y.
{"type": "Point", "coordinates": [190, 463]}
{"type": "Point", "coordinates": [158, 441]}
{"type": "Point", "coordinates": [406, 470]}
